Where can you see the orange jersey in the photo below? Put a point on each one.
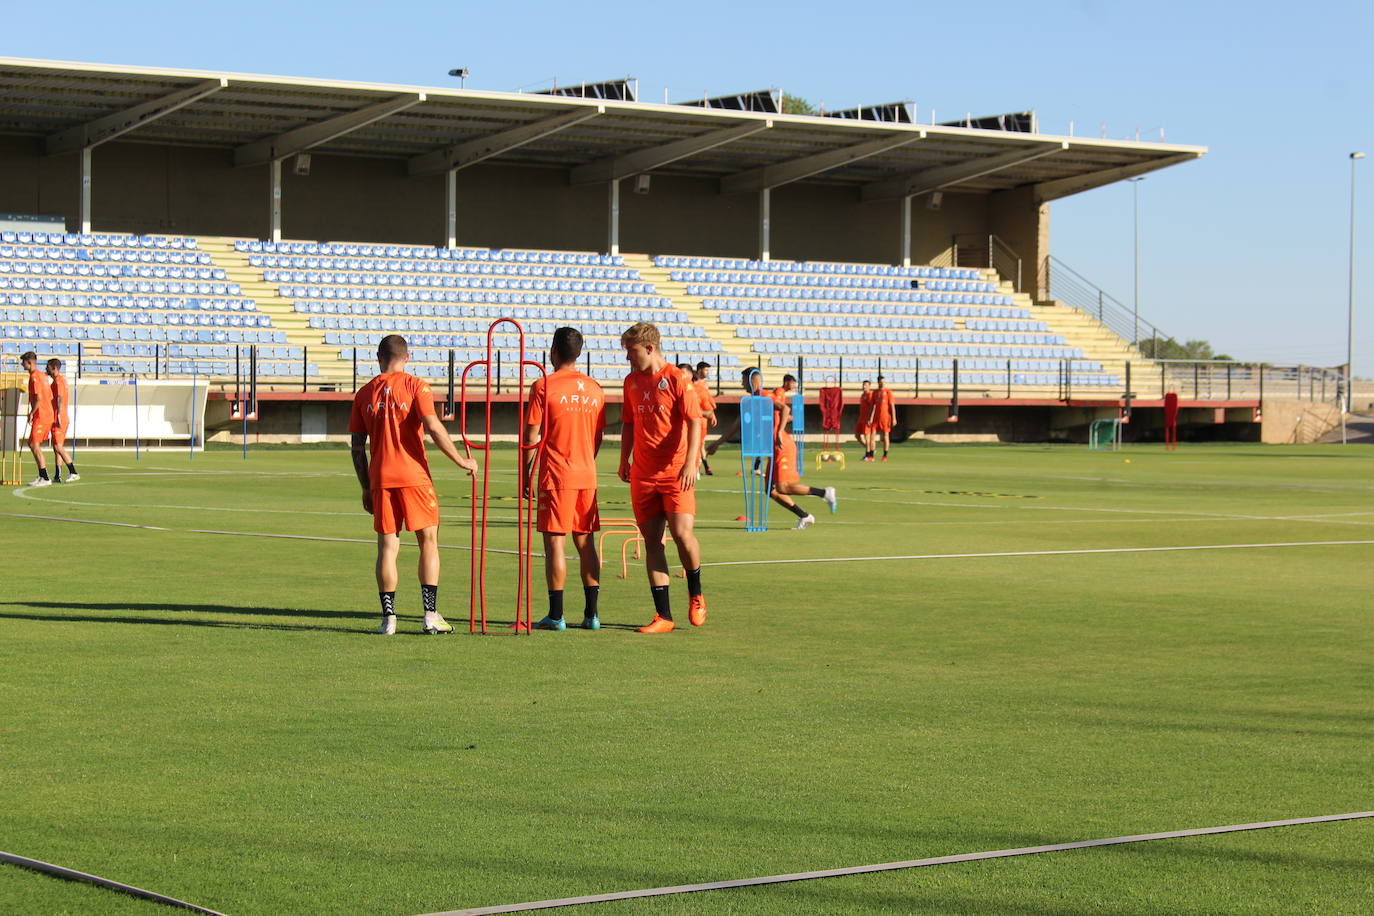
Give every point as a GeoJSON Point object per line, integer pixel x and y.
{"type": "Point", "coordinates": [40, 397]}
{"type": "Point", "coordinates": [390, 409]}
{"type": "Point", "coordinates": [783, 399]}
{"type": "Point", "coordinates": [570, 408]}
{"type": "Point", "coordinates": [59, 393]}
{"type": "Point", "coordinates": [703, 390]}
{"type": "Point", "coordinates": [867, 404]}
{"type": "Point", "coordinates": [658, 406]}
{"type": "Point", "coordinates": [882, 405]}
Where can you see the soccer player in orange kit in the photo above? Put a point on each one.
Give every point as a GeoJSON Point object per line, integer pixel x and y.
{"type": "Point", "coordinates": [392, 410]}
{"type": "Point", "coordinates": [660, 428]}
{"type": "Point", "coordinates": [786, 479]}
{"type": "Point", "coordinates": [701, 381]}
{"type": "Point", "coordinates": [59, 423]}
{"type": "Point", "coordinates": [863, 426]}
{"type": "Point", "coordinates": [567, 413]}
{"type": "Point", "coordinates": [884, 416]}
{"type": "Point", "coordinates": [40, 415]}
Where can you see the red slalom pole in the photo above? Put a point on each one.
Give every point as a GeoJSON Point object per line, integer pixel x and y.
{"type": "Point", "coordinates": [525, 514]}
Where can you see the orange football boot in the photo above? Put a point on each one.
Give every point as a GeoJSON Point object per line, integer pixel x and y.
{"type": "Point", "coordinates": [657, 625]}
{"type": "Point", "coordinates": [696, 610]}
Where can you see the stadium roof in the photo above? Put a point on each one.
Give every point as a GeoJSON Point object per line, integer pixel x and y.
{"type": "Point", "coordinates": [265, 118]}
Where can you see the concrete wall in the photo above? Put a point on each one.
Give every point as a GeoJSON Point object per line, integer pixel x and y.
{"type": "Point", "coordinates": [148, 188]}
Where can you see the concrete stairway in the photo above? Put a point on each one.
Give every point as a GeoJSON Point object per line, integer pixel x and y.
{"type": "Point", "coordinates": [704, 318]}
{"type": "Point", "coordinates": [285, 318]}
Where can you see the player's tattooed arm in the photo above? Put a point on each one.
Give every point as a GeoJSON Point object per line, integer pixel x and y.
{"type": "Point", "coordinates": [359, 452]}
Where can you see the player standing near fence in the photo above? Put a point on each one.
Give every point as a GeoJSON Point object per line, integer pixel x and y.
{"type": "Point", "coordinates": [394, 410]}
{"type": "Point", "coordinates": [884, 415]}
{"type": "Point", "coordinates": [567, 413]}
{"type": "Point", "coordinates": [40, 415]}
{"type": "Point", "coordinates": [60, 421]}
{"type": "Point", "coordinates": [660, 428]}
{"type": "Point", "coordinates": [862, 427]}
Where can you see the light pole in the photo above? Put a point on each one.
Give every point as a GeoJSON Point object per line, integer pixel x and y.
{"type": "Point", "coordinates": [1350, 304]}
{"type": "Point", "coordinates": [1135, 298]}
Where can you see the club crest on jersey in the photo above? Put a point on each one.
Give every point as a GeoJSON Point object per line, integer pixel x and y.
{"type": "Point", "coordinates": [663, 384]}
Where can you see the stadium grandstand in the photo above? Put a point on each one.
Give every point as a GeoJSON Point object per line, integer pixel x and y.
{"type": "Point", "coordinates": [176, 224]}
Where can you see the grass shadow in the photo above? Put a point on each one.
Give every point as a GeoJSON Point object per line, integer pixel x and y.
{"type": "Point", "coordinates": [190, 609]}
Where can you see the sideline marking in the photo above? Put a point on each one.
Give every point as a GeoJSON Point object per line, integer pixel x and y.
{"type": "Point", "coordinates": [73, 875]}
{"type": "Point", "coordinates": [318, 537]}
{"type": "Point", "coordinates": [893, 866]}
{"type": "Point", "coordinates": [1040, 553]}
{"type": "Point", "coordinates": [81, 521]}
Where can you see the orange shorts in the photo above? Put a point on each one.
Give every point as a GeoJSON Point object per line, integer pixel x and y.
{"type": "Point", "coordinates": [785, 462]}
{"type": "Point", "coordinates": [860, 428]}
{"type": "Point", "coordinates": [395, 509]}
{"type": "Point", "coordinates": [884, 424]}
{"type": "Point", "coordinates": [654, 498]}
{"type": "Point", "coordinates": [59, 435]}
{"type": "Point", "coordinates": [568, 512]}
{"type": "Point", "coordinates": [39, 431]}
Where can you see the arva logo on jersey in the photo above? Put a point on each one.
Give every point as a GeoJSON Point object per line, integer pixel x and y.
{"type": "Point", "coordinates": [385, 404]}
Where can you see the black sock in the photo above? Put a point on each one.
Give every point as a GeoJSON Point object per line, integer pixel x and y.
{"type": "Point", "coordinates": [556, 604]}
{"type": "Point", "coordinates": [815, 491]}
{"type": "Point", "coordinates": [796, 510]}
{"type": "Point", "coordinates": [884, 453]}
{"type": "Point", "coordinates": [694, 582]}
{"type": "Point", "coordinates": [758, 463]}
{"type": "Point", "coordinates": [388, 602]}
{"type": "Point", "coordinates": [430, 594]}
{"type": "Point", "coordinates": [43, 473]}
{"type": "Point", "coordinates": [660, 593]}
{"type": "Point", "coordinates": [71, 469]}
{"type": "Point", "coordinates": [706, 464]}
{"type": "Point", "coordinates": [591, 593]}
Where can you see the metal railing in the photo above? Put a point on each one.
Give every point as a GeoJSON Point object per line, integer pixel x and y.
{"type": "Point", "coordinates": [1062, 282]}
{"type": "Point", "coordinates": [987, 250]}
{"type": "Point", "coordinates": [1217, 379]}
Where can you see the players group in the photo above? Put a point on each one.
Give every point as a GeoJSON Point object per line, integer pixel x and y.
{"type": "Point", "coordinates": [664, 414]}
{"type": "Point", "coordinates": [48, 419]}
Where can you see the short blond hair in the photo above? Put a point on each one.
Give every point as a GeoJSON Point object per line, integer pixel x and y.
{"type": "Point", "coordinates": [642, 333]}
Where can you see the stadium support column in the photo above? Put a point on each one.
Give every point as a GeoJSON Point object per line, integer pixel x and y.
{"type": "Point", "coordinates": [85, 190]}
{"type": "Point", "coordinates": [452, 210]}
{"type": "Point", "coordinates": [765, 220]}
{"type": "Point", "coordinates": [275, 202]}
{"type": "Point", "coordinates": [906, 231]}
{"type": "Point", "coordinates": [613, 219]}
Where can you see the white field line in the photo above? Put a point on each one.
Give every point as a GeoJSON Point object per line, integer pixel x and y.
{"type": "Point", "coordinates": [1041, 553]}
{"type": "Point", "coordinates": [930, 556]}
{"type": "Point", "coordinates": [317, 537]}
{"type": "Point", "coordinates": [894, 866]}
{"type": "Point", "coordinates": [82, 521]}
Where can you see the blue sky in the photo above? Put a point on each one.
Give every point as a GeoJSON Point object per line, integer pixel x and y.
{"type": "Point", "coordinates": [1246, 248]}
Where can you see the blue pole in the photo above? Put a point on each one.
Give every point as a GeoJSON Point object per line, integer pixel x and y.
{"type": "Point", "coordinates": [193, 415]}
{"type": "Point", "coordinates": [137, 444]}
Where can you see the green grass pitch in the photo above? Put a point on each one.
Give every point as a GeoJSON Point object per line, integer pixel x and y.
{"type": "Point", "coordinates": [207, 716]}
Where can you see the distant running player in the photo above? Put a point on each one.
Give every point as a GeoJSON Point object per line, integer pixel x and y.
{"type": "Point", "coordinates": [394, 409]}
{"type": "Point", "coordinates": [884, 415]}
{"type": "Point", "coordinates": [659, 430]}
{"type": "Point", "coordinates": [40, 415]}
{"type": "Point", "coordinates": [567, 413]}
{"type": "Point", "coordinates": [862, 427]}
{"type": "Point", "coordinates": [60, 421]}
{"type": "Point", "coordinates": [786, 479]}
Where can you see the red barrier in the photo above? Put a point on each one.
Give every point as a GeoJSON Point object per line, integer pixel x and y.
{"type": "Point", "coordinates": [524, 511]}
